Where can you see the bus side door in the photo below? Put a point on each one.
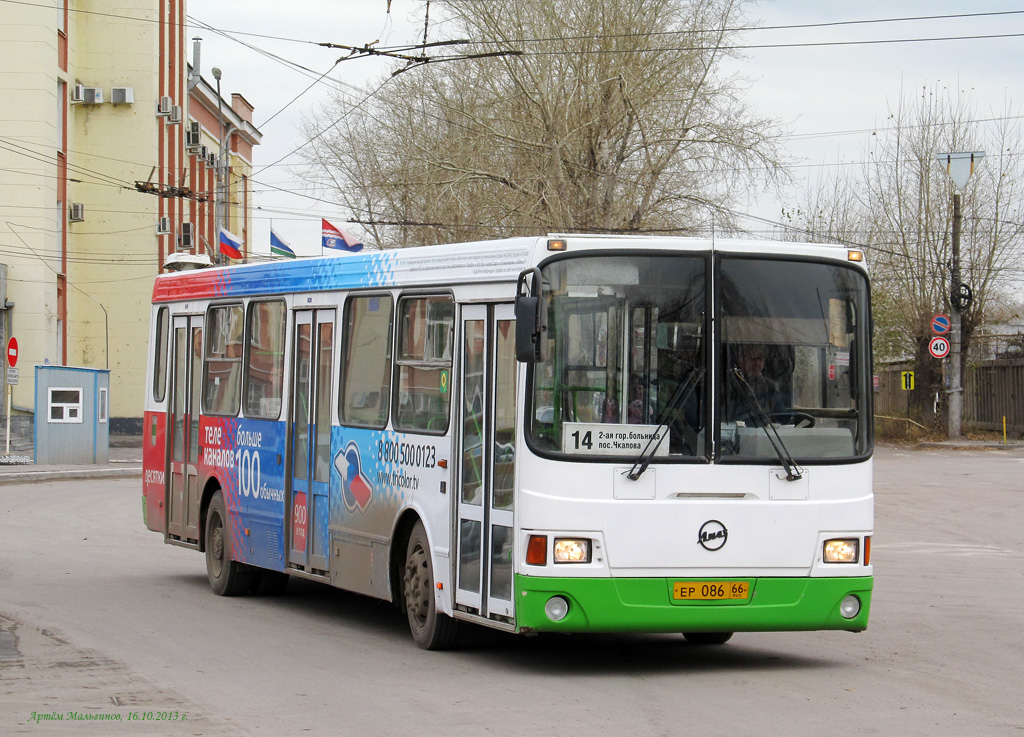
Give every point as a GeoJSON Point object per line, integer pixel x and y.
{"type": "Point", "coordinates": [183, 421]}
{"type": "Point", "coordinates": [487, 416]}
{"type": "Point", "coordinates": [313, 349]}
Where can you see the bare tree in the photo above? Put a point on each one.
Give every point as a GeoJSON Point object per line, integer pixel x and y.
{"type": "Point", "coordinates": [615, 116]}
{"type": "Point", "coordinates": [902, 212]}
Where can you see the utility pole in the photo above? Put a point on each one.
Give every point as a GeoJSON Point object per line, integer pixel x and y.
{"type": "Point", "coordinates": [959, 167]}
{"type": "Point", "coordinates": [956, 385]}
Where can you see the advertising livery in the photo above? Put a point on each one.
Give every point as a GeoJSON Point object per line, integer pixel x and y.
{"type": "Point", "coordinates": [565, 434]}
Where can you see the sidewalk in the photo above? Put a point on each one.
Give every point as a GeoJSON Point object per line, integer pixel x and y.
{"type": "Point", "coordinates": [124, 460]}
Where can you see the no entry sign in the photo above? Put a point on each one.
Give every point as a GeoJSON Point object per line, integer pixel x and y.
{"type": "Point", "coordinates": [12, 352]}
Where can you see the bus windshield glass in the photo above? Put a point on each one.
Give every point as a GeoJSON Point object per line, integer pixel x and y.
{"type": "Point", "coordinates": [793, 354]}
{"type": "Point", "coordinates": [625, 357]}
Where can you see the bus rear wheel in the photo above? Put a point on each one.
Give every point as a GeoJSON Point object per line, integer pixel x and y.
{"type": "Point", "coordinates": [227, 577]}
{"type": "Point", "coordinates": [431, 629]}
{"type": "Point", "coordinates": [707, 638]}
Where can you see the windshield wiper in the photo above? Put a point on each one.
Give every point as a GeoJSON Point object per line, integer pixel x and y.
{"type": "Point", "coordinates": [678, 399]}
{"type": "Point", "coordinates": [793, 471]}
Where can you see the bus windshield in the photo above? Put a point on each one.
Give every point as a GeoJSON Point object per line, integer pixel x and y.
{"type": "Point", "coordinates": [633, 368]}
{"type": "Point", "coordinates": [793, 354]}
{"type": "Point", "coordinates": [625, 355]}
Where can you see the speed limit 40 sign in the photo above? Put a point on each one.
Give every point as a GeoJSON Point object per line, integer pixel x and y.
{"type": "Point", "coordinates": [939, 346]}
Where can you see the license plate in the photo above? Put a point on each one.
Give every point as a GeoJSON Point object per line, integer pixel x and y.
{"type": "Point", "coordinates": [710, 590]}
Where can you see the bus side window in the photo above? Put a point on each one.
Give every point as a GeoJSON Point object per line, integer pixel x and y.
{"type": "Point", "coordinates": [160, 362]}
{"type": "Point", "coordinates": [222, 380]}
{"type": "Point", "coordinates": [423, 395]}
{"type": "Point", "coordinates": [366, 361]}
{"type": "Point", "coordinates": [264, 367]}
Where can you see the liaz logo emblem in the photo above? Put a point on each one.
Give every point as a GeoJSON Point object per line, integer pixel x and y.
{"type": "Point", "coordinates": [712, 535]}
{"type": "Point", "coordinates": [356, 489]}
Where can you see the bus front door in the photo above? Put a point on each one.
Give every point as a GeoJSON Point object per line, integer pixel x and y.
{"type": "Point", "coordinates": [186, 380]}
{"type": "Point", "coordinates": [487, 445]}
{"type": "Point", "coordinates": [313, 348]}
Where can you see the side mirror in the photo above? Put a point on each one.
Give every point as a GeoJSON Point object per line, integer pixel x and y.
{"type": "Point", "coordinates": [531, 321]}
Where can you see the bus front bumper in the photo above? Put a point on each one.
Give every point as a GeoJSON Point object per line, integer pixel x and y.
{"type": "Point", "coordinates": [649, 605]}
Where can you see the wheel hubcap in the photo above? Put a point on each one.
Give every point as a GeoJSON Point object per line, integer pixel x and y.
{"type": "Point", "coordinates": [216, 546]}
{"type": "Point", "coordinates": [417, 584]}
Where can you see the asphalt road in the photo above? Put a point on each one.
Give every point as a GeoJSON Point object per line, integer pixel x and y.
{"type": "Point", "coordinates": [98, 617]}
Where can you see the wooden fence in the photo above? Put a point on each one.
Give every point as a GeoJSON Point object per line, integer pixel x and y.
{"type": "Point", "coordinates": [993, 390]}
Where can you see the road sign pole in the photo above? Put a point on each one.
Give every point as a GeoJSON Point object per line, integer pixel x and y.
{"type": "Point", "coordinates": [12, 361]}
{"type": "Point", "coordinates": [956, 391]}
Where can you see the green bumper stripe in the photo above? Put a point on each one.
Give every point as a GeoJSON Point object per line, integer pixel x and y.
{"type": "Point", "coordinates": [646, 605]}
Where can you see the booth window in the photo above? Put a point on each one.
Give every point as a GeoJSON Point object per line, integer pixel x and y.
{"type": "Point", "coordinates": [65, 404]}
{"type": "Point", "coordinates": [104, 405]}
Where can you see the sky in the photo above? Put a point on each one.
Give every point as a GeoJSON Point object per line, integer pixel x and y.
{"type": "Point", "coordinates": [827, 92]}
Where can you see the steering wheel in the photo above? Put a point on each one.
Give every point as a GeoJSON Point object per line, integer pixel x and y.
{"type": "Point", "coordinates": [797, 419]}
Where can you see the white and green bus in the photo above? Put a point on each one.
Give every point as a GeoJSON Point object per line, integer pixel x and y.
{"type": "Point", "coordinates": [571, 433]}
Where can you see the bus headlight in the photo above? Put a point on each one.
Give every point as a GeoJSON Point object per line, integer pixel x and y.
{"type": "Point", "coordinates": [842, 550]}
{"type": "Point", "coordinates": [568, 550]}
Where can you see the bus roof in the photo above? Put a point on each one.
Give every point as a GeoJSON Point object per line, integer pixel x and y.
{"type": "Point", "coordinates": [462, 263]}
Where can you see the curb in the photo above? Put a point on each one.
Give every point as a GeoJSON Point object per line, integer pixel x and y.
{"type": "Point", "coordinates": [71, 474]}
{"type": "Point", "coordinates": [953, 445]}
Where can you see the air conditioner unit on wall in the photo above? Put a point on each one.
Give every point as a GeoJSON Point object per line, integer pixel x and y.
{"type": "Point", "coordinates": [76, 213]}
{"type": "Point", "coordinates": [164, 108]}
{"type": "Point", "coordinates": [163, 226]}
{"type": "Point", "coordinates": [92, 95]}
{"type": "Point", "coordinates": [187, 237]}
{"type": "Point", "coordinates": [122, 95]}
{"type": "Point", "coordinates": [203, 152]}
{"type": "Point", "coordinates": [77, 93]}
{"type": "Point", "coordinates": [175, 117]}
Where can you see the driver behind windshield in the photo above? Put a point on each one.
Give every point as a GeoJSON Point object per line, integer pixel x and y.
{"type": "Point", "coordinates": [749, 364]}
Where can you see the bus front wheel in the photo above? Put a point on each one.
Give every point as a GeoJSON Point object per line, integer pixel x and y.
{"type": "Point", "coordinates": [227, 577]}
{"type": "Point", "coordinates": [431, 629]}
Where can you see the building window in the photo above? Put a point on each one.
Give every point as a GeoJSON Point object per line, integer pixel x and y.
{"type": "Point", "coordinates": [65, 405]}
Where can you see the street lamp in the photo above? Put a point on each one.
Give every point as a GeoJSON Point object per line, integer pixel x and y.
{"type": "Point", "coordinates": [959, 167]}
{"type": "Point", "coordinates": [218, 204]}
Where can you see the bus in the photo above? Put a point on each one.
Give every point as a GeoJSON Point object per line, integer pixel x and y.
{"type": "Point", "coordinates": [556, 434]}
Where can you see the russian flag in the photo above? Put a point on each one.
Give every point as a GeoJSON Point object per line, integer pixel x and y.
{"type": "Point", "coordinates": [339, 240]}
{"type": "Point", "coordinates": [278, 246]}
{"type": "Point", "coordinates": [230, 244]}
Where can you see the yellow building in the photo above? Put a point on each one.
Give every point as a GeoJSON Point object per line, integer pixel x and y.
{"type": "Point", "coordinates": [110, 159]}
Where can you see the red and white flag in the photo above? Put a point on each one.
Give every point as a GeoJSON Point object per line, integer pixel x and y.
{"type": "Point", "coordinates": [339, 240]}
